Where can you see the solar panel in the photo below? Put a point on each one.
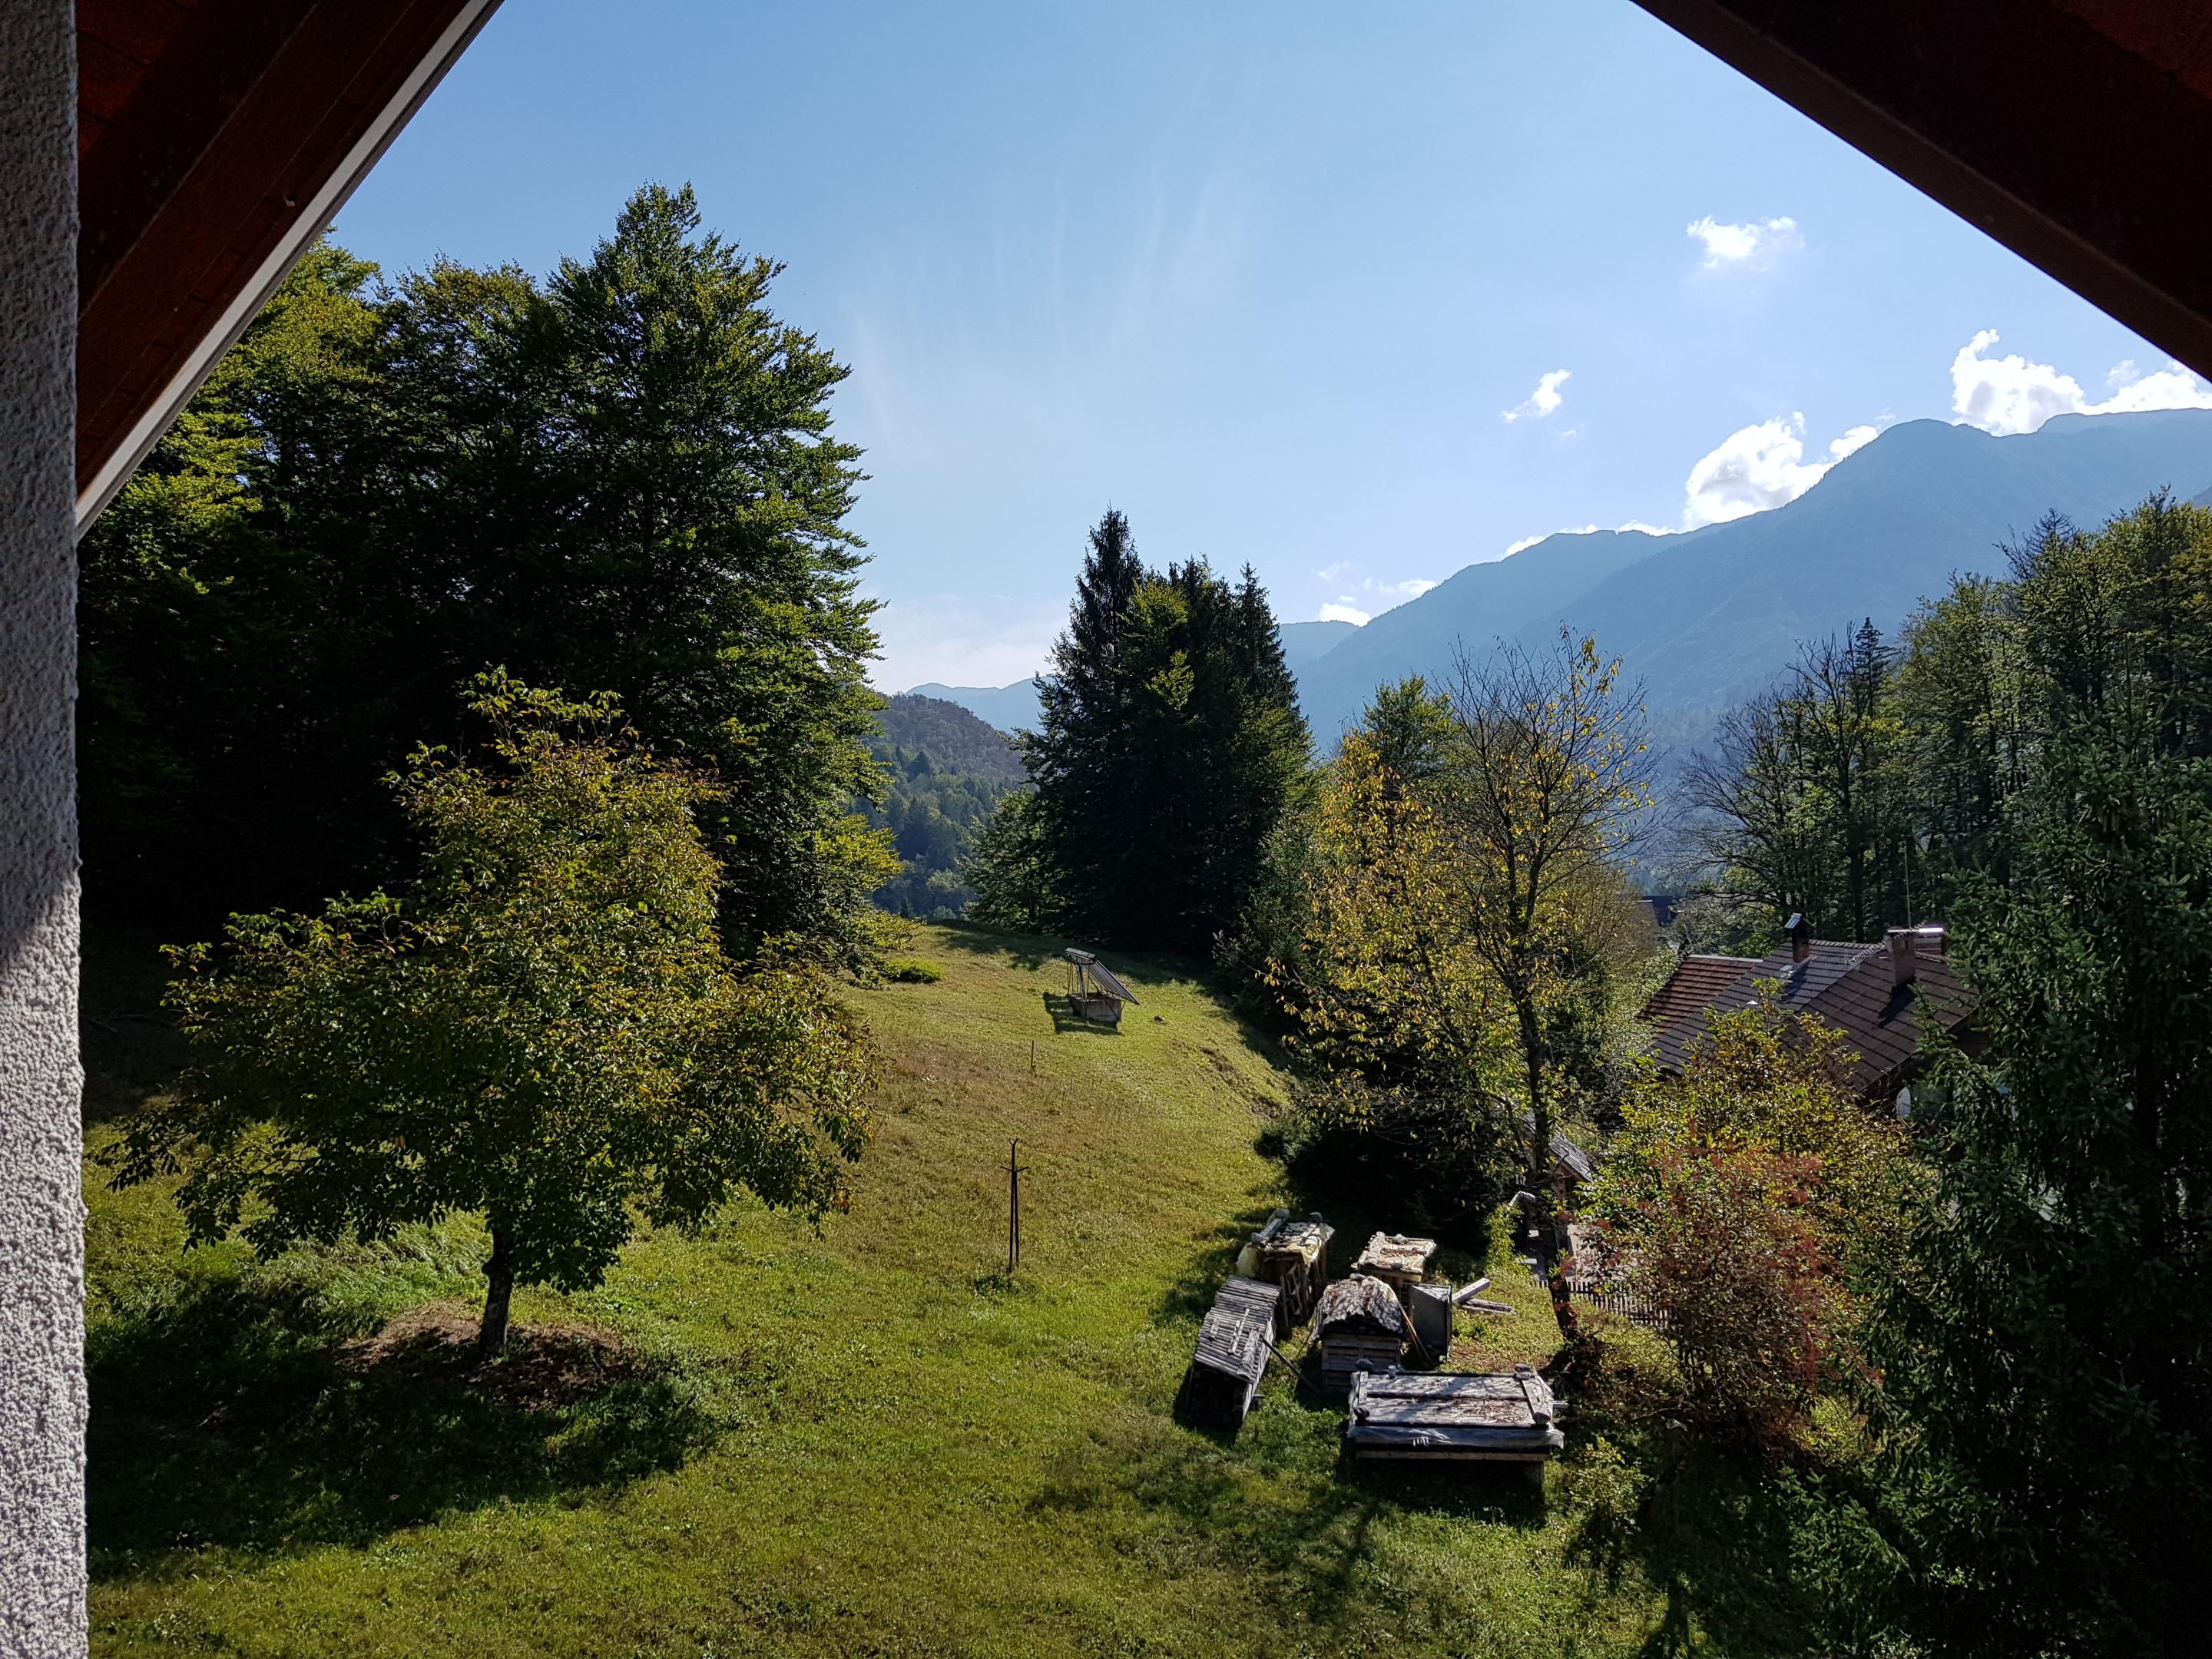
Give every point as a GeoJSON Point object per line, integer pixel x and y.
{"type": "Point", "coordinates": [1105, 977]}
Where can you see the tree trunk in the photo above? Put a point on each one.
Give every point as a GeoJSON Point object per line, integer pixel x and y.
{"type": "Point", "coordinates": [1540, 1180]}
{"type": "Point", "coordinates": [498, 1293]}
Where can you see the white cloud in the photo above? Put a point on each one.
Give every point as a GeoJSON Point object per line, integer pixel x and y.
{"type": "Point", "coordinates": [954, 641]}
{"type": "Point", "coordinates": [1412, 588]}
{"type": "Point", "coordinates": [1343, 613]}
{"type": "Point", "coordinates": [1525, 543]}
{"type": "Point", "coordinates": [1754, 245]}
{"type": "Point", "coordinates": [1852, 441]}
{"type": "Point", "coordinates": [1639, 525]}
{"type": "Point", "coordinates": [2010, 394]}
{"type": "Point", "coordinates": [1750, 470]}
{"type": "Point", "coordinates": [1341, 570]}
{"type": "Point", "coordinates": [1544, 400]}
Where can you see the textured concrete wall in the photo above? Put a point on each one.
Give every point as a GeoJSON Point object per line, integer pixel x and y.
{"type": "Point", "coordinates": [41, 1205]}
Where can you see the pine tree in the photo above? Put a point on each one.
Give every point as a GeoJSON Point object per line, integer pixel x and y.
{"type": "Point", "coordinates": [1169, 747]}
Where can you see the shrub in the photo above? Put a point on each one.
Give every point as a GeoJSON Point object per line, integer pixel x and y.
{"type": "Point", "coordinates": [913, 970]}
{"type": "Point", "coordinates": [1441, 1164]}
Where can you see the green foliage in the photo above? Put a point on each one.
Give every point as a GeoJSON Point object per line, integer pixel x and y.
{"type": "Point", "coordinates": [623, 477]}
{"type": "Point", "coordinates": [1755, 1198]}
{"type": "Point", "coordinates": [1169, 747]}
{"type": "Point", "coordinates": [1470, 930]}
{"type": "Point", "coordinates": [1806, 797]}
{"type": "Point", "coordinates": [1011, 871]}
{"type": "Point", "coordinates": [2045, 1346]}
{"type": "Point", "coordinates": [1434, 1163]}
{"type": "Point", "coordinates": [544, 1028]}
{"type": "Point", "coordinates": [912, 970]}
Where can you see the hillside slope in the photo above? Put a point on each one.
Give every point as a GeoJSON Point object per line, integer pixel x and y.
{"type": "Point", "coordinates": [1479, 604]}
{"type": "Point", "coordinates": [862, 1440]}
{"type": "Point", "coordinates": [945, 771]}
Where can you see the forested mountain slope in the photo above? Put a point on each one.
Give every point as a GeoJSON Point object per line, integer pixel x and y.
{"type": "Point", "coordinates": [946, 769]}
{"type": "Point", "coordinates": [1478, 606]}
{"type": "Point", "coordinates": [1709, 619]}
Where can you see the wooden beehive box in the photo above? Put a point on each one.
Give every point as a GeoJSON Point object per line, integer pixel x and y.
{"type": "Point", "coordinates": [1453, 1417]}
{"type": "Point", "coordinates": [1357, 1324]}
{"type": "Point", "coordinates": [1224, 1376]}
{"type": "Point", "coordinates": [1400, 1261]}
{"type": "Point", "coordinates": [1294, 1255]}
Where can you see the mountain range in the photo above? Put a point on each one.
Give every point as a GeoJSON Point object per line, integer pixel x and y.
{"type": "Point", "coordinates": [1707, 617]}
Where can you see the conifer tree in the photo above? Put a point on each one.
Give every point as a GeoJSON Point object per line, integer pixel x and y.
{"type": "Point", "coordinates": [1169, 747]}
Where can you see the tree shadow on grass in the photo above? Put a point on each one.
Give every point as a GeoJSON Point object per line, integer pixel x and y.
{"type": "Point", "coordinates": [238, 1417]}
{"type": "Point", "coordinates": [1315, 1539]}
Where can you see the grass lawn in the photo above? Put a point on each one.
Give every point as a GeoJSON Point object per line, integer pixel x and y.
{"type": "Point", "coordinates": [870, 1441]}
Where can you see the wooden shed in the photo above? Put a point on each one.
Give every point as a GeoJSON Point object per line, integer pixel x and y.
{"type": "Point", "coordinates": [1293, 1255]}
{"type": "Point", "coordinates": [1467, 1416]}
{"type": "Point", "coordinates": [1357, 1324]}
{"type": "Point", "coordinates": [1094, 990]}
{"type": "Point", "coordinates": [1233, 1345]}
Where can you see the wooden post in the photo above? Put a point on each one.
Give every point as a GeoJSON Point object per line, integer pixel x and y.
{"type": "Point", "coordinates": [1032, 1056]}
{"type": "Point", "coordinates": [1015, 1171]}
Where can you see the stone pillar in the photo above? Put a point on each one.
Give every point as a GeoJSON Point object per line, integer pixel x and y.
{"type": "Point", "coordinates": [42, 1586]}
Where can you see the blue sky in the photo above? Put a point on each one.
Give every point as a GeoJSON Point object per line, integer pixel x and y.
{"type": "Point", "coordinates": [1268, 278]}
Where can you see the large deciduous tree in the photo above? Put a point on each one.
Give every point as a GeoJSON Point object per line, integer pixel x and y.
{"type": "Point", "coordinates": [542, 1027]}
{"type": "Point", "coordinates": [1467, 926]}
{"type": "Point", "coordinates": [623, 477]}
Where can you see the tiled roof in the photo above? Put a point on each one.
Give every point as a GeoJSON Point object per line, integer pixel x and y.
{"type": "Point", "coordinates": [1691, 988]}
{"type": "Point", "coordinates": [1881, 1021]}
{"type": "Point", "coordinates": [1851, 987]}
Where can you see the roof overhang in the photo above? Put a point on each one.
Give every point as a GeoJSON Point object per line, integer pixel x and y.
{"type": "Point", "coordinates": [2074, 131]}
{"type": "Point", "coordinates": [216, 140]}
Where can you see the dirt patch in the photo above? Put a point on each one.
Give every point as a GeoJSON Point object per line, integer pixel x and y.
{"type": "Point", "coordinates": [545, 1366]}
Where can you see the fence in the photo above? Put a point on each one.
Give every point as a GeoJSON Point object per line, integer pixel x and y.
{"type": "Point", "coordinates": [1631, 1305]}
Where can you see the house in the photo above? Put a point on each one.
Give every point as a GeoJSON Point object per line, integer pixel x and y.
{"type": "Point", "coordinates": [1881, 997]}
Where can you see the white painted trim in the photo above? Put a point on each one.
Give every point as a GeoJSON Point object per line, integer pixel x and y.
{"type": "Point", "coordinates": [313, 219]}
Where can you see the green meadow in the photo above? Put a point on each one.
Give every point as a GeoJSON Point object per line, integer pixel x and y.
{"type": "Point", "coordinates": [866, 1440]}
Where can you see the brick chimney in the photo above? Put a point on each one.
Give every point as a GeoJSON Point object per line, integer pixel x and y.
{"type": "Point", "coordinates": [1801, 937]}
{"type": "Point", "coordinates": [1903, 956]}
{"type": "Point", "coordinates": [1907, 946]}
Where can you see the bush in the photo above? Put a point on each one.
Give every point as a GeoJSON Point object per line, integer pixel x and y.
{"type": "Point", "coordinates": [913, 970]}
{"type": "Point", "coordinates": [1441, 1164]}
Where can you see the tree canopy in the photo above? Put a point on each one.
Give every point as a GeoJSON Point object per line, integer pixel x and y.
{"type": "Point", "coordinates": [623, 476]}
{"type": "Point", "coordinates": [1169, 747]}
{"type": "Point", "coordinates": [541, 1027]}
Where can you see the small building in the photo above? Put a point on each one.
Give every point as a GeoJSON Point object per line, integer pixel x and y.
{"type": "Point", "coordinates": [1233, 1347]}
{"type": "Point", "coordinates": [1880, 996]}
{"type": "Point", "coordinates": [1359, 1325]}
{"type": "Point", "coordinates": [1454, 1416]}
{"type": "Point", "coordinates": [1398, 1261]}
{"type": "Point", "coordinates": [1293, 1255]}
{"type": "Point", "coordinates": [1094, 991]}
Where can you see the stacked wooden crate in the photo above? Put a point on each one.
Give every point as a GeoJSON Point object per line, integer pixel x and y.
{"type": "Point", "coordinates": [1483, 1417]}
{"type": "Point", "coordinates": [1233, 1347]}
{"type": "Point", "coordinates": [1294, 1255]}
{"type": "Point", "coordinates": [1357, 1324]}
{"type": "Point", "coordinates": [1398, 1261]}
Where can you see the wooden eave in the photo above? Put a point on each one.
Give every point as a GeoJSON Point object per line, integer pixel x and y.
{"type": "Point", "coordinates": [216, 139]}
